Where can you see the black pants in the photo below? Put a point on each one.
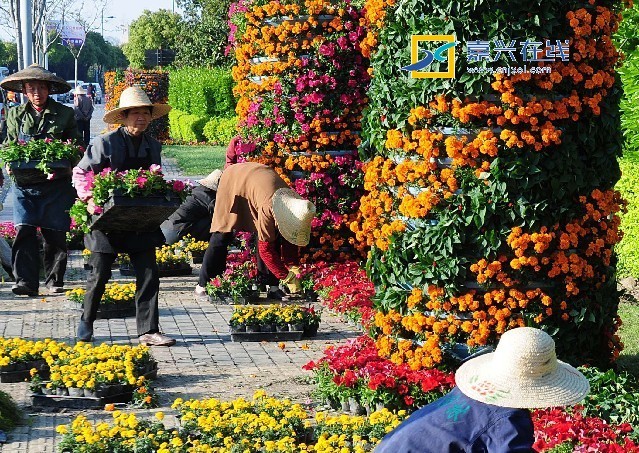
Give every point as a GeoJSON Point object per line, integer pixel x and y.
{"type": "Point", "coordinates": [25, 257]}
{"type": "Point", "coordinates": [84, 126]}
{"type": "Point", "coordinates": [214, 260]}
{"type": "Point", "coordinates": [147, 283]}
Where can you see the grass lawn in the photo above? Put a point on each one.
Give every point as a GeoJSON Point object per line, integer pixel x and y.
{"type": "Point", "coordinates": [629, 359]}
{"type": "Point", "coordinates": [196, 160]}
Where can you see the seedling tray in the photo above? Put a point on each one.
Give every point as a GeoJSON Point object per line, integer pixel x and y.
{"type": "Point", "coordinates": [185, 269]}
{"type": "Point", "coordinates": [110, 311]}
{"type": "Point", "coordinates": [78, 402]}
{"type": "Point", "coordinates": [139, 214]}
{"type": "Point", "coordinates": [26, 173]}
{"type": "Point", "coordinates": [9, 377]}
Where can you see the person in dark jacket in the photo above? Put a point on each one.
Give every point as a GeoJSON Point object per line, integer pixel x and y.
{"type": "Point", "coordinates": [194, 215]}
{"type": "Point", "coordinates": [126, 148]}
{"type": "Point", "coordinates": [83, 108]}
{"type": "Point", "coordinates": [488, 410]}
{"type": "Point", "coordinates": [42, 205]}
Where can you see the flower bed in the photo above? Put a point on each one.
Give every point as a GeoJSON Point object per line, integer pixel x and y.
{"type": "Point", "coordinates": [118, 300]}
{"type": "Point", "coordinates": [260, 424]}
{"type": "Point", "coordinates": [40, 160]}
{"type": "Point", "coordinates": [356, 372]}
{"type": "Point", "coordinates": [287, 321]}
{"type": "Point", "coordinates": [132, 200]}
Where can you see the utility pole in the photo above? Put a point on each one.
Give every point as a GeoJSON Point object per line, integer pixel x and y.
{"type": "Point", "coordinates": [26, 28]}
{"type": "Point", "coordinates": [108, 17]}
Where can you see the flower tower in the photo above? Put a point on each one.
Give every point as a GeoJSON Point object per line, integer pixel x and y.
{"type": "Point", "coordinates": [490, 200]}
{"type": "Point", "coordinates": [301, 83]}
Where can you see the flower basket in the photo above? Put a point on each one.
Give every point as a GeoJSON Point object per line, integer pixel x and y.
{"type": "Point", "coordinates": [10, 374]}
{"type": "Point", "coordinates": [28, 173]}
{"type": "Point", "coordinates": [139, 214]}
{"type": "Point", "coordinates": [54, 401]}
{"type": "Point", "coordinates": [110, 311]}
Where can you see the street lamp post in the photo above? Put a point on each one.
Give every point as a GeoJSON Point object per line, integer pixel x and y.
{"type": "Point", "coordinates": [108, 17]}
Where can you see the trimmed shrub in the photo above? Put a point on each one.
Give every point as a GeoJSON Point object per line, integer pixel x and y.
{"type": "Point", "coordinates": [628, 264]}
{"type": "Point", "coordinates": [186, 127]}
{"type": "Point", "coordinates": [220, 131]}
{"type": "Point", "coordinates": [202, 92]}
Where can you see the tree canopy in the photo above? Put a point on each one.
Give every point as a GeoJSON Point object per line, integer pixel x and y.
{"type": "Point", "coordinates": [152, 30]}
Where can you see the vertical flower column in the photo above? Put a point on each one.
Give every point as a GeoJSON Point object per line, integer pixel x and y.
{"type": "Point", "coordinates": [490, 199]}
{"type": "Point", "coordinates": [301, 83]}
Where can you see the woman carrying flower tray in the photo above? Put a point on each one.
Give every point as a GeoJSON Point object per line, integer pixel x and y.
{"type": "Point", "coordinates": [44, 204]}
{"type": "Point", "coordinates": [126, 148]}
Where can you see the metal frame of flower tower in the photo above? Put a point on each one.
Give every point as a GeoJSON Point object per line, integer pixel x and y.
{"type": "Point", "coordinates": [490, 197]}
{"type": "Point", "coordinates": [301, 83]}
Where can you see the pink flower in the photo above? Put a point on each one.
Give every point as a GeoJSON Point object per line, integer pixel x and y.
{"type": "Point", "coordinates": [140, 181]}
{"type": "Point", "coordinates": [178, 185]}
{"type": "Point", "coordinates": [155, 168]}
{"type": "Point", "coordinates": [98, 210]}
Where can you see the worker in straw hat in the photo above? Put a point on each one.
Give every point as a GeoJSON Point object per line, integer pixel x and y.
{"type": "Point", "coordinates": [252, 197]}
{"type": "Point", "coordinates": [42, 205]}
{"type": "Point", "coordinates": [194, 215]}
{"type": "Point", "coordinates": [488, 410]}
{"type": "Point", "coordinates": [126, 148]}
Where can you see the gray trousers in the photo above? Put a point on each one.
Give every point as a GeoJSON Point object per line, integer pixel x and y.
{"type": "Point", "coordinates": [147, 282]}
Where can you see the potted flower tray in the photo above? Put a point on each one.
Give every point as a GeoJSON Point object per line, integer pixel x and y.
{"type": "Point", "coordinates": [113, 393]}
{"type": "Point", "coordinates": [26, 173]}
{"type": "Point", "coordinates": [19, 372]}
{"type": "Point", "coordinates": [291, 335]}
{"type": "Point", "coordinates": [139, 214]}
{"type": "Point", "coordinates": [127, 270]}
{"type": "Point", "coordinates": [110, 311]}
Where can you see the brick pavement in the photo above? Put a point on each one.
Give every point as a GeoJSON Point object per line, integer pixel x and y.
{"type": "Point", "coordinates": [204, 362]}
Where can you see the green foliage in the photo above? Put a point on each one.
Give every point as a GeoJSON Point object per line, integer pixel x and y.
{"type": "Point", "coordinates": [152, 30]}
{"type": "Point", "coordinates": [9, 412]}
{"type": "Point", "coordinates": [626, 38]}
{"type": "Point", "coordinates": [8, 54]}
{"type": "Point", "coordinates": [628, 186]}
{"type": "Point", "coordinates": [44, 150]}
{"type": "Point", "coordinates": [197, 160]}
{"type": "Point", "coordinates": [202, 92]}
{"type": "Point", "coordinates": [613, 396]}
{"type": "Point", "coordinates": [629, 334]}
{"type": "Point", "coordinates": [186, 127]}
{"type": "Point", "coordinates": [566, 447]}
{"type": "Point", "coordinates": [205, 37]}
{"type": "Point", "coordinates": [220, 131]}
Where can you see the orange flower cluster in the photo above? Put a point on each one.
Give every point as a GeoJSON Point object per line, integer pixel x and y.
{"type": "Point", "coordinates": [374, 19]}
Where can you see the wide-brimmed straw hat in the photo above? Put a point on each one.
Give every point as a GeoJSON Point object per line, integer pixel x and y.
{"type": "Point", "coordinates": [131, 98]}
{"type": "Point", "coordinates": [212, 180]}
{"type": "Point", "coordinates": [79, 90]}
{"type": "Point", "coordinates": [523, 372]}
{"type": "Point", "coordinates": [15, 82]}
{"type": "Point", "coordinates": [293, 215]}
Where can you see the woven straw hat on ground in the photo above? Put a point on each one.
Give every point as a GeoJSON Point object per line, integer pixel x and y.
{"type": "Point", "coordinates": [15, 81]}
{"type": "Point", "coordinates": [131, 98]}
{"type": "Point", "coordinates": [523, 372]}
{"type": "Point", "coordinates": [212, 180]}
{"type": "Point", "coordinates": [293, 215]}
{"type": "Point", "coordinates": [79, 90]}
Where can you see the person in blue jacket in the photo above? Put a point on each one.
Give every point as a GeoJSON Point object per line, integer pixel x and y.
{"type": "Point", "coordinates": [488, 411]}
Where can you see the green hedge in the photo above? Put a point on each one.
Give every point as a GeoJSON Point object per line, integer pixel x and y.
{"type": "Point", "coordinates": [202, 92]}
{"type": "Point", "coordinates": [220, 131]}
{"type": "Point", "coordinates": [186, 127]}
{"type": "Point", "coordinates": [629, 186]}
{"type": "Point", "coordinates": [9, 412]}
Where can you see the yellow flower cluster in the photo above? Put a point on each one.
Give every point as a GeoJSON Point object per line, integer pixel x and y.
{"type": "Point", "coordinates": [262, 424]}
{"type": "Point", "coordinates": [86, 366]}
{"type": "Point", "coordinates": [170, 254]}
{"type": "Point", "coordinates": [115, 293]}
{"type": "Point", "coordinates": [191, 245]}
{"type": "Point", "coordinates": [267, 314]}
{"type": "Point", "coordinates": [13, 350]}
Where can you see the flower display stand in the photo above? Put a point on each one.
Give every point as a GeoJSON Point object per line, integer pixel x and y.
{"type": "Point", "coordinates": [139, 214]}
{"type": "Point", "coordinates": [26, 173]}
{"type": "Point", "coordinates": [19, 372]}
{"type": "Point", "coordinates": [110, 311]}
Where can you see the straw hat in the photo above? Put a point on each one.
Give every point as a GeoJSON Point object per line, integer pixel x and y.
{"type": "Point", "coordinates": [34, 72]}
{"type": "Point", "coordinates": [79, 90]}
{"type": "Point", "coordinates": [523, 372]}
{"type": "Point", "coordinates": [131, 98]}
{"type": "Point", "coordinates": [212, 180]}
{"type": "Point", "coordinates": [293, 215]}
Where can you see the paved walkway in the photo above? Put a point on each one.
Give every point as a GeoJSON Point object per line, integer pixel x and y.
{"type": "Point", "coordinates": [204, 362]}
